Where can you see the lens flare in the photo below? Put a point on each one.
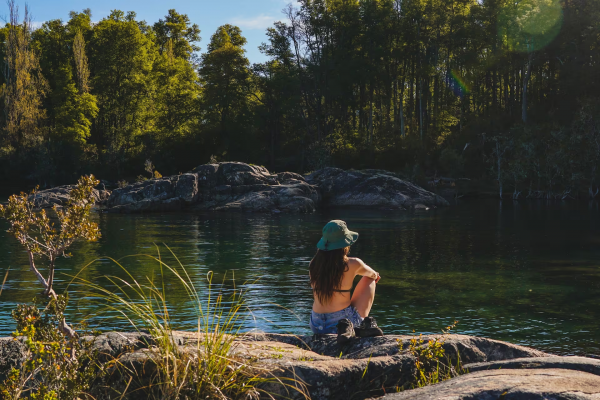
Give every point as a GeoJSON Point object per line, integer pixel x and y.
{"type": "Point", "coordinates": [530, 25]}
{"type": "Point", "coordinates": [458, 85]}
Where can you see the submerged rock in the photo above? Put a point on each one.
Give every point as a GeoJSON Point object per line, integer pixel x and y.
{"type": "Point", "coordinates": [371, 188]}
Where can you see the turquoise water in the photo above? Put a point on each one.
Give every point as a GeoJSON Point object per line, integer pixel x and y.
{"type": "Point", "coordinates": [524, 272]}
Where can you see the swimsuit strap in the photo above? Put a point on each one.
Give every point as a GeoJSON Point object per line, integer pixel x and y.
{"type": "Point", "coordinates": [338, 290]}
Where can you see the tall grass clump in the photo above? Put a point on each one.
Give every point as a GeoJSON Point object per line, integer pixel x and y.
{"type": "Point", "coordinates": [432, 364]}
{"type": "Point", "coordinates": [207, 365]}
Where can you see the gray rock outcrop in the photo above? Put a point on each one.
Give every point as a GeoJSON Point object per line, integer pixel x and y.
{"type": "Point", "coordinates": [369, 367]}
{"type": "Point", "coordinates": [239, 186]}
{"type": "Point", "coordinates": [60, 194]}
{"type": "Point", "coordinates": [219, 187]}
{"type": "Point", "coordinates": [371, 188]}
{"type": "Point", "coordinates": [244, 187]}
{"type": "Point", "coordinates": [560, 378]}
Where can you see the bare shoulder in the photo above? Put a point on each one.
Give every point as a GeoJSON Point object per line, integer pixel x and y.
{"type": "Point", "coordinates": [355, 262]}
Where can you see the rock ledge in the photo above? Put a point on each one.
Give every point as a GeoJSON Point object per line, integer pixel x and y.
{"type": "Point", "coordinates": [370, 367]}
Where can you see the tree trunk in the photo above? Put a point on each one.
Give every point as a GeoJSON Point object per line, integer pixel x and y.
{"type": "Point", "coordinates": [516, 193]}
{"type": "Point", "coordinates": [494, 94]}
{"type": "Point", "coordinates": [370, 129]}
{"type": "Point", "coordinates": [499, 166]}
{"type": "Point", "coordinates": [402, 131]}
{"type": "Point", "coordinates": [50, 293]}
{"type": "Point", "coordinates": [421, 107]}
{"type": "Point", "coordinates": [525, 83]}
{"type": "Point", "coordinates": [506, 93]}
{"type": "Point", "coordinates": [592, 179]}
{"type": "Point", "coordinates": [273, 146]}
{"type": "Point", "coordinates": [395, 102]}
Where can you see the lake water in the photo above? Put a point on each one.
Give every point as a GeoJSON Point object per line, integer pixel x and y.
{"type": "Point", "coordinates": [526, 272]}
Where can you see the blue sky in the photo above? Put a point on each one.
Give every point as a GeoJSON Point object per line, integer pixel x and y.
{"type": "Point", "coordinates": [252, 16]}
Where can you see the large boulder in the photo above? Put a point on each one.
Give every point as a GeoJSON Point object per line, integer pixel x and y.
{"type": "Point", "coordinates": [219, 187]}
{"type": "Point", "coordinates": [367, 367]}
{"type": "Point", "coordinates": [162, 194]}
{"type": "Point", "coordinates": [560, 378]}
{"type": "Point", "coordinates": [371, 188]}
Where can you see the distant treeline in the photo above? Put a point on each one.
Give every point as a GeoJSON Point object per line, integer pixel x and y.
{"type": "Point", "coordinates": [492, 89]}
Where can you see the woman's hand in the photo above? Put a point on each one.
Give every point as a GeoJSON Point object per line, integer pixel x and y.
{"type": "Point", "coordinates": [364, 270]}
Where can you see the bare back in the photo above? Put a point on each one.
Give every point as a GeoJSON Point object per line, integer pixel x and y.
{"type": "Point", "coordinates": [341, 300]}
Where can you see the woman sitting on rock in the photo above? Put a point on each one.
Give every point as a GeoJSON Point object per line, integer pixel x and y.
{"type": "Point", "coordinates": [332, 272]}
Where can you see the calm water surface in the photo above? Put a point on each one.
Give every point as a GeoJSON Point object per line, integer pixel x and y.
{"type": "Point", "coordinates": [527, 272]}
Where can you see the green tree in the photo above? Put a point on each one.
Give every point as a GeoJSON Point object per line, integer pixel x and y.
{"type": "Point", "coordinates": [71, 107]}
{"type": "Point", "coordinates": [225, 78]}
{"type": "Point", "coordinates": [177, 100]}
{"type": "Point", "coordinates": [277, 89]}
{"type": "Point", "coordinates": [177, 29]}
{"type": "Point", "coordinates": [121, 62]}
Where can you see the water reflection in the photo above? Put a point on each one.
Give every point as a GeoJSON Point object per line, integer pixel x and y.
{"type": "Point", "coordinates": [524, 272]}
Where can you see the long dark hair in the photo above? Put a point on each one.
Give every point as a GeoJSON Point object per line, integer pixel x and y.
{"type": "Point", "coordinates": [326, 271]}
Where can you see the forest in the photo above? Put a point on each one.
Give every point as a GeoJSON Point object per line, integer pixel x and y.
{"type": "Point", "coordinates": [500, 91]}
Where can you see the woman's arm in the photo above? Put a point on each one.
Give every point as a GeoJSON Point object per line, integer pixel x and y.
{"type": "Point", "coordinates": [364, 270]}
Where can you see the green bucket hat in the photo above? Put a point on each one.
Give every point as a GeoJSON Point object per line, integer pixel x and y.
{"type": "Point", "coordinates": [336, 236]}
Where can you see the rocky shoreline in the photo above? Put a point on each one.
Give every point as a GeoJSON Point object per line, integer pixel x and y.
{"type": "Point", "coordinates": [366, 367]}
{"type": "Point", "coordinates": [234, 186]}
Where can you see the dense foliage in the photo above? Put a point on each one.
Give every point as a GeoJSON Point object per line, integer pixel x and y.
{"type": "Point", "coordinates": [490, 89]}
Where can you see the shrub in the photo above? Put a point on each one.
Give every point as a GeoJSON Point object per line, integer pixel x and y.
{"type": "Point", "coordinates": [56, 366]}
{"type": "Point", "coordinates": [41, 238]}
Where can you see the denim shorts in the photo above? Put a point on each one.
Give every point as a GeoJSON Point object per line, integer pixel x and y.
{"type": "Point", "coordinates": [327, 323]}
